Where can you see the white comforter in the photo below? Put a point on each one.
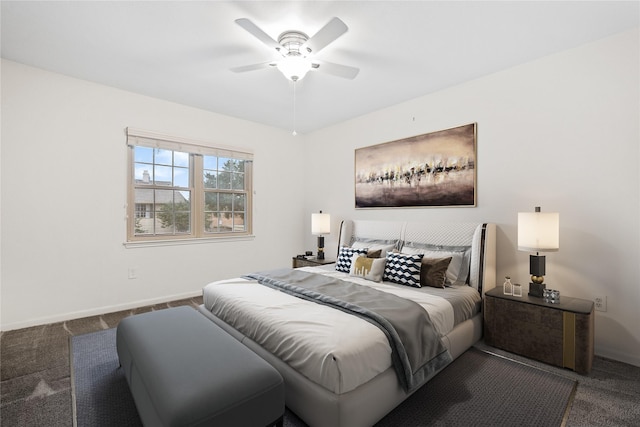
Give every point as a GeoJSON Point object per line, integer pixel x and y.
{"type": "Point", "coordinates": [334, 349]}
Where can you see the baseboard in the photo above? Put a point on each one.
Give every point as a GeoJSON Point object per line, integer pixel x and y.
{"type": "Point", "coordinates": [619, 357]}
{"type": "Point", "coordinates": [96, 311]}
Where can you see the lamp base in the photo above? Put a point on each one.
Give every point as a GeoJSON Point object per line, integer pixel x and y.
{"type": "Point", "coordinates": [536, 266]}
{"type": "Point", "coordinates": [320, 247]}
{"type": "Point", "coordinates": [536, 289]}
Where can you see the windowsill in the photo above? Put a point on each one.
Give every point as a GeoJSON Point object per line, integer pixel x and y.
{"type": "Point", "coordinates": [181, 242]}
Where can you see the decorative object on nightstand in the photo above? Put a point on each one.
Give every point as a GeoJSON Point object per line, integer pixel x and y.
{"type": "Point", "coordinates": [517, 290]}
{"type": "Point", "coordinates": [507, 287]}
{"type": "Point", "coordinates": [320, 224]}
{"type": "Point", "coordinates": [538, 232]}
{"type": "Point", "coordinates": [551, 295]}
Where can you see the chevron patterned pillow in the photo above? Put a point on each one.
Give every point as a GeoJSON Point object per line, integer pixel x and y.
{"type": "Point", "coordinates": [403, 269]}
{"type": "Point", "coordinates": [345, 255]}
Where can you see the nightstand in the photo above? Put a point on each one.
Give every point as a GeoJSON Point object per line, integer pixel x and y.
{"type": "Point", "coordinates": [558, 334]}
{"type": "Point", "coordinates": [311, 262]}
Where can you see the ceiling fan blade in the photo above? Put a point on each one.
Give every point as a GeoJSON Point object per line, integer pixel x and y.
{"type": "Point", "coordinates": [344, 71]}
{"type": "Point", "coordinates": [252, 67]}
{"type": "Point", "coordinates": [254, 30]}
{"type": "Point", "coordinates": [331, 31]}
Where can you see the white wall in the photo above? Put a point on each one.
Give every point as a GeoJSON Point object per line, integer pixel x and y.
{"type": "Point", "coordinates": [561, 133]}
{"type": "Point", "coordinates": [64, 190]}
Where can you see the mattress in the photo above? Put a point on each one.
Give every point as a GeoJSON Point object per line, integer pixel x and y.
{"type": "Point", "coordinates": [333, 349]}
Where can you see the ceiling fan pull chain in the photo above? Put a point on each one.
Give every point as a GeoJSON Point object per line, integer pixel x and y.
{"type": "Point", "coordinates": [294, 109]}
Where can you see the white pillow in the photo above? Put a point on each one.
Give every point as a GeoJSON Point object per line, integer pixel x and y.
{"type": "Point", "coordinates": [403, 269]}
{"type": "Point", "coordinates": [367, 268]}
{"type": "Point", "coordinates": [382, 246]}
{"type": "Point", "coordinates": [345, 254]}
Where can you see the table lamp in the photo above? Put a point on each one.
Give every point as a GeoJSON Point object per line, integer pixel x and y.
{"type": "Point", "coordinates": [538, 232]}
{"type": "Point", "coordinates": [320, 224]}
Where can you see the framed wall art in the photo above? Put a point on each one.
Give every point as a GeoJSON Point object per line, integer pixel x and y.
{"type": "Point", "coordinates": [436, 169]}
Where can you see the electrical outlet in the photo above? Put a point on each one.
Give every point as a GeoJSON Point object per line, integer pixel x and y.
{"type": "Point", "coordinates": [601, 303]}
{"type": "Point", "coordinates": [133, 273]}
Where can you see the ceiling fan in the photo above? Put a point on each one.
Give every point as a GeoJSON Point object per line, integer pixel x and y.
{"type": "Point", "coordinates": [297, 51]}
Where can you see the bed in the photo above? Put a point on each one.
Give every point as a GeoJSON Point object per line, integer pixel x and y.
{"type": "Point", "coordinates": [339, 369]}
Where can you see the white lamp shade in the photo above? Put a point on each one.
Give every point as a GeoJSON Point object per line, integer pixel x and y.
{"type": "Point", "coordinates": [538, 231]}
{"type": "Point", "coordinates": [320, 223]}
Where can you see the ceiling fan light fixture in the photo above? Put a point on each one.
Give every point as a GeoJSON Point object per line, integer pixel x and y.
{"type": "Point", "coordinates": [297, 50]}
{"type": "Point", "coordinates": [294, 67]}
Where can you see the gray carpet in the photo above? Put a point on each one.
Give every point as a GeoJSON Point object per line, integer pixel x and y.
{"type": "Point", "coordinates": [477, 389]}
{"type": "Point", "coordinates": [99, 388]}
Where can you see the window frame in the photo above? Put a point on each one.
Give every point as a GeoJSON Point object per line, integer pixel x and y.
{"type": "Point", "coordinates": [197, 150]}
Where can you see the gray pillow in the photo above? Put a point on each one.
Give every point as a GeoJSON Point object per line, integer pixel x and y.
{"type": "Point", "coordinates": [458, 270]}
{"type": "Point", "coordinates": [434, 272]}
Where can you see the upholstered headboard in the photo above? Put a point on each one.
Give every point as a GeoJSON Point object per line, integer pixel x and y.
{"type": "Point", "coordinates": [480, 238]}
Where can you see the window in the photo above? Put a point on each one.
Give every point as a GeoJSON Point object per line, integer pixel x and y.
{"type": "Point", "coordinates": [143, 210]}
{"type": "Point", "coordinates": [180, 189]}
{"type": "Point", "coordinates": [224, 194]}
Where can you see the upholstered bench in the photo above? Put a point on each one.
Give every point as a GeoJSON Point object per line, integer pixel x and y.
{"type": "Point", "coordinates": [183, 370]}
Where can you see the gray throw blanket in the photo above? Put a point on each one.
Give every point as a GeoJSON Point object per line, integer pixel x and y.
{"type": "Point", "coordinates": [417, 350]}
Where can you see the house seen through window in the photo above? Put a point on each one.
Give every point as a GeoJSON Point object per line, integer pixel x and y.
{"type": "Point", "coordinates": [181, 190]}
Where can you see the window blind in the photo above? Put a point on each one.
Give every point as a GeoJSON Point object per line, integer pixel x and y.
{"type": "Point", "coordinates": [137, 137]}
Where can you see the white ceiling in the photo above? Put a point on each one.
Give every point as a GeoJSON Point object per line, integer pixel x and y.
{"type": "Point", "coordinates": [182, 51]}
